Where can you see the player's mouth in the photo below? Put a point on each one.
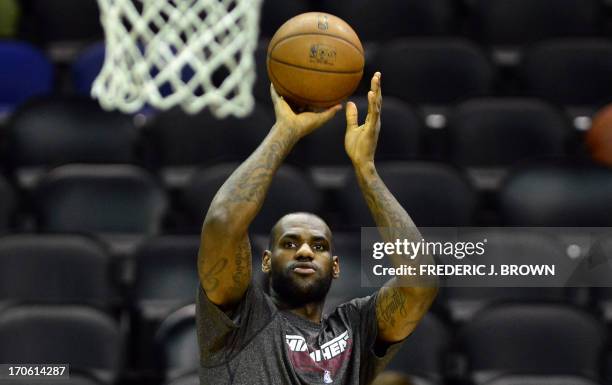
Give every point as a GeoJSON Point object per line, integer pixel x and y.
{"type": "Point", "coordinates": [304, 268]}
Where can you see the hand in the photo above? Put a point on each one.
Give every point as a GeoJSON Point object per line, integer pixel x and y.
{"type": "Point", "coordinates": [360, 141]}
{"type": "Point", "coordinates": [303, 123]}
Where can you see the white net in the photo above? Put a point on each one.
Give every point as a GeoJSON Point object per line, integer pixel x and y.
{"type": "Point", "coordinates": [192, 53]}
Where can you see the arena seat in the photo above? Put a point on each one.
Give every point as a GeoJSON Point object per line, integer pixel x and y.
{"type": "Point", "coordinates": [24, 73]}
{"type": "Point", "coordinates": [57, 269]}
{"type": "Point", "coordinates": [86, 67]}
{"type": "Point", "coordinates": [535, 339]}
{"type": "Point", "coordinates": [87, 339]}
{"type": "Point", "coordinates": [517, 246]}
{"type": "Point", "coordinates": [54, 131]}
{"type": "Point", "coordinates": [488, 135]}
{"type": "Point", "coordinates": [425, 352]}
{"type": "Point", "coordinates": [179, 142]}
{"type": "Point", "coordinates": [291, 190]}
{"type": "Point", "coordinates": [569, 72]}
{"type": "Point", "coordinates": [261, 89]}
{"type": "Point", "coordinates": [517, 23]}
{"type": "Point", "coordinates": [8, 205]}
{"type": "Point", "coordinates": [389, 19]}
{"type": "Point", "coordinates": [557, 195]}
{"type": "Point", "coordinates": [596, 271]}
{"type": "Point", "coordinates": [433, 71]}
{"type": "Point", "coordinates": [165, 278]}
{"type": "Point", "coordinates": [121, 203]}
{"type": "Point", "coordinates": [177, 343]}
{"type": "Point", "coordinates": [433, 194]}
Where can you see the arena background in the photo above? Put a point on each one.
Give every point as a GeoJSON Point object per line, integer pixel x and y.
{"type": "Point", "coordinates": [486, 107]}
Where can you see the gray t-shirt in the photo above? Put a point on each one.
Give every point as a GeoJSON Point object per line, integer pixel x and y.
{"type": "Point", "coordinates": [261, 345]}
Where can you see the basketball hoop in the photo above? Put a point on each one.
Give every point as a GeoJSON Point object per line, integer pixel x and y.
{"type": "Point", "coordinates": [192, 53]}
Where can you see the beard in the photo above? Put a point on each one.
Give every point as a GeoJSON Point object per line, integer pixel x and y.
{"type": "Point", "coordinates": [296, 291]}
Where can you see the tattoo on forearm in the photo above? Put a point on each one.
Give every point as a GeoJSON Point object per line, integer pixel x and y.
{"type": "Point", "coordinates": [210, 281]}
{"type": "Point", "coordinates": [250, 183]}
{"type": "Point", "coordinates": [390, 306]}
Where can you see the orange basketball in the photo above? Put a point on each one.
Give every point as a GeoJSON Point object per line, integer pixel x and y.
{"type": "Point", "coordinates": [599, 136]}
{"type": "Point", "coordinates": [315, 60]}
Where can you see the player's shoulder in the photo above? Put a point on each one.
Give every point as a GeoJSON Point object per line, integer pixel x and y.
{"type": "Point", "coordinates": [356, 305]}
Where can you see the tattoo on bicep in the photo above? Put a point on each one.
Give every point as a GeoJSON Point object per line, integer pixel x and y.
{"type": "Point", "coordinates": [210, 281]}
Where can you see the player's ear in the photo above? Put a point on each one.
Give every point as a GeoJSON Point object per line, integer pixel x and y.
{"type": "Point", "coordinates": [266, 261]}
{"type": "Point", "coordinates": [335, 266]}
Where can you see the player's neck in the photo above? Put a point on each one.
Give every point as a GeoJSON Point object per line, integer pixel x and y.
{"type": "Point", "coordinates": [310, 311]}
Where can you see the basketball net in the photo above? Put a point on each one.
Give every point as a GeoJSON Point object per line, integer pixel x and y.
{"type": "Point", "coordinates": [192, 53]}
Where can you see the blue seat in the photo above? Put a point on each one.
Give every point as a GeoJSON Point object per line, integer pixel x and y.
{"type": "Point", "coordinates": [86, 68]}
{"type": "Point", "coordinates": [24, 72]}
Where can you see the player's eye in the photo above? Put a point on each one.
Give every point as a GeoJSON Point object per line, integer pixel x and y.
{"type": "Point", "coordinates": [319, 247]}
{"type": "Point", "coordinates": [288, 245]}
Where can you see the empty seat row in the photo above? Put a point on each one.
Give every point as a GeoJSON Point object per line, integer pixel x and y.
{"type": "Point", "coordinates": [115, 201]}
{"type": "Point", "coordinates": [494, 21]}
{"type": "Point", "coordinates": [481, 133]}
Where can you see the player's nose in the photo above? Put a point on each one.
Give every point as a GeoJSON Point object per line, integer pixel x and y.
{"type": "Point", "coordinates": [304, 252]}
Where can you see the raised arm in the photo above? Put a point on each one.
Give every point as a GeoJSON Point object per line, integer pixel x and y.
{"type": "Point", "coordinates": [401, 302]}
{"type": "Point", "coordinates": [224, 258]}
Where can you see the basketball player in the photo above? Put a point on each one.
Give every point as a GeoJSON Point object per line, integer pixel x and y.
{"type": "Point", "coordinates": [247, 337]}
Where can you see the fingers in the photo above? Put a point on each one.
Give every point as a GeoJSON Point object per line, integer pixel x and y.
{"type": "Point", "coordinates": [329, 113]}
{"type": "Point", "coordinates": [273, 94]}
{"type": "Point", "coordinates": [352, 115]}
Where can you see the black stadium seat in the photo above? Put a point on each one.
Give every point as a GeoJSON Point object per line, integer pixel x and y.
{"type": "Point", "coordinates": [537, 339]}
{"type": "Point", "coordinates": [55, 131]}
{"type": "Point", "coordinates": [498, 132]}
{"type": "Point", "coordinates": [569, 72]}
{"type": "Point", "coordinates": [177, 343]}
{"type": "Point", "coordinates": [8, 205]}
{"type": "Point", "coordinates": [291, 190]}
{"type": "Point", "coordinates": [85, 338]}
{"type": "Point", "coordinates": [596, 271]}
{"type": "Point", "coordinates": [165, 278]}
{"type": "Point", "coordinates": [546, 379]}
{"type": "Point", "coordinates": [433, 195]}
{"type": "Point", "coordinates": [388, 19]}
{"type": "Point", "coordinates": [433, 71]}
{"type": "Point", "coordinates": [400, 138]}
{"type": "Point", "coordinates": [557, 195]}
{"type": "Point", "coordinates": [100, 199]}
{"type": "Point", "coordinates": [520, 22]}
{"type": "Point", "coordinates": [425, 352]}
{"type": "Point", "coordinates": [516, 246]}
{"type": "Point", "coordinates": [178, 141]}
{"type": "Point", "coordinates": [56, 269]}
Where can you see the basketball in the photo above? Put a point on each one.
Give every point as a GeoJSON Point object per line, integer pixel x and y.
{"type": "Point", "coordinates": [315, 60]}
{"type": "Point", "coordinates": [599, 136]}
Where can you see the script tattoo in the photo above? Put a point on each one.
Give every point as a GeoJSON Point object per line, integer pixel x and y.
{"type": "Point", "coordinates": [210, 281]}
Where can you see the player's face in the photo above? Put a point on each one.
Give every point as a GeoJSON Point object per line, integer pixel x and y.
{"type": "Point", "coordinates": [301, 265]}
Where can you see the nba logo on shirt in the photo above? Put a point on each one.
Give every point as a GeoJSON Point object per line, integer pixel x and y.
{"type": "Point", "coordinates": [327, 377]}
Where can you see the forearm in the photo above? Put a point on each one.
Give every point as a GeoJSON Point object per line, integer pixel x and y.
{"type": "Point", "coordinates": [391, 218]}
{"type": "Point", "coordinates": [240, 198]}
